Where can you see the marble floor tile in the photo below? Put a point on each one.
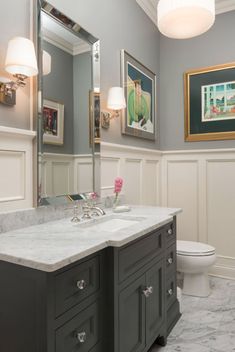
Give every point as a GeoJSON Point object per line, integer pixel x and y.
{"type": "Point", "coordinates": [207, 324]}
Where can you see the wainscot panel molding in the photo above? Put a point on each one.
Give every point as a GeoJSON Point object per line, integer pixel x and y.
{"type": "Point", "coordinates": [140, 169]}
{"type": "Point", "coordinates": [65, 174]}
{"type": "Point", "coordinates": [202, 183]}
{"type": "Point", "coordinates": [199, 181]}
{"type": "Point", "coordinates": [16, 168]}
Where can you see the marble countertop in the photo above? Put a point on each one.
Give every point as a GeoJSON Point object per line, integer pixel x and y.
{"type": "Point", "coordinates": [53, 245]}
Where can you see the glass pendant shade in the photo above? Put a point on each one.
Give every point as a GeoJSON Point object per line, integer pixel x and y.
{"type": "Point", "coordinates": [21, 57]}
{"type": "Point", "coordinates": [116, 98]}
{"type": "Point", "coordinates": [182, 19]}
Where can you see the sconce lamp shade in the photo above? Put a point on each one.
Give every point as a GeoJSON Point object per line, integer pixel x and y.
{"type": "Point", "coordinates": [116, 98]}
{"type": "Point", "coordinates": [21, 57]}
{"type": "Point", "coordinates": [182, 19]}
{"type": "Point", "coordinates": [46, 63]}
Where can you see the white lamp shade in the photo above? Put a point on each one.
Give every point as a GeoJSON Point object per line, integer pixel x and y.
{"type": "Point", "coordinates": [46, 63]}
{"type": "Point", "coordinates": [21, 57]}
{"type": "Point", "coordinates": [116, 98]}
{"type": "Point", "coordinates": [182, 19]}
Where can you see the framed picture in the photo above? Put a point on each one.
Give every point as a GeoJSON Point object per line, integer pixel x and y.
{"type": "Point", "coordinates": [94, 103]}
{"type": "Point", "coordinates": [53, 122]}
{"type": "Point", "coordinates": [210, 103]}
{"type": "Point", "coordinates": [139, 83]}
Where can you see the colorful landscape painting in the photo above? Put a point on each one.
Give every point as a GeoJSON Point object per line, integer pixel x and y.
{"type": "Point", "coordinates": [218, 101]}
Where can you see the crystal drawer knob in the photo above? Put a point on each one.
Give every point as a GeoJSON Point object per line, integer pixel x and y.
{"type": "Point", "coordinates": [81, 284]}
{"type": "Point", "coordinates": [81, 336]}
{"type": "Point", "coordinates": [170, 232]}
{"type": "Point", "coordinates": [170, 260]}
{"type": "Point", "coordinates": [148, 291]}
{"type": "Point", "coordinates": [170, 292]}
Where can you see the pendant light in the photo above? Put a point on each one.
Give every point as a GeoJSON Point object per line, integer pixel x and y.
{"type": "Point", "coordinates": [182, 19]}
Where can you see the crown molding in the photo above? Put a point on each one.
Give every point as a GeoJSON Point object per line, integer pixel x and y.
{"type": "Point", "coordinates": [62, 44]}
{"type": "Point", "coordinates": [150, 7]}
{"type": "Point", "coordinates": [224, 6]}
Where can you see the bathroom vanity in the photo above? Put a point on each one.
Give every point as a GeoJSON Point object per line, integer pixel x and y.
{"type": "Point", "coordinates": [106, 285]}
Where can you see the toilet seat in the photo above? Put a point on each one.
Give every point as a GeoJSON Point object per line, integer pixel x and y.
{"type": "Point", "coordinates": [197, 249]}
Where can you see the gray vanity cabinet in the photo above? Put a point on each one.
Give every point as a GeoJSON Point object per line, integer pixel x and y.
{"type": "Point", "coordinates": [155, 314]}
{"type": "Point", "coordinates": [141, 310]}
{"type": "Point", "coordinates": [142, 291]}
{"type": "Point", "coordinates": [132, 312]}
{"type": "Point", "coordinates": [116, 300]}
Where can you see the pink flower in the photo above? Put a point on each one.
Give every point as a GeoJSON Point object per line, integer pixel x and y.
{"type": "Point", "coordinates": [118, 182]}
{"type": "Point", "coordinates": [94, 195]}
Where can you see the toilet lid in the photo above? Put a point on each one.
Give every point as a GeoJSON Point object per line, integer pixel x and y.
{"type": "Point", "coordinates": [194, 248]}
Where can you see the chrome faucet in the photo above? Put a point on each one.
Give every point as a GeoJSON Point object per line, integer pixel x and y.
{"type": "Point", "coordinates": [97, 210]}
{"type": "Point", "coordinates": [89, 210]}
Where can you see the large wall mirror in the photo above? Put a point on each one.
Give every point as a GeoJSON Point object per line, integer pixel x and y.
{"type": "Point", "coordinates": [69, 108]}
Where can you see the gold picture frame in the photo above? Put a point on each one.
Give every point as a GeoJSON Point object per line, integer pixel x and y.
{"type": "Point", "coordinates": [205, 121]}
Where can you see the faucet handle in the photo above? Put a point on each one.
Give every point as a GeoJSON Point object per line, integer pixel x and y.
{"type": "Point", "coordinates": [75, 217]}
{"type": "Point", "coordinates": [86, 211]}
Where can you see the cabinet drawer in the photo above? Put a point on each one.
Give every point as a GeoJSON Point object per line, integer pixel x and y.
{"type": "Point", "coordinates": [170, 260]}
{"type": "Point", "coordinates": [171, 290]}
{"type": "Point", "coordinates": [135, 255]}
{"type": "Point", "coordinates": [81, 333]}
{"type": "Point", "coordinates": [75, 284]}
{"type": "Point", "coordinates": [170, 233]}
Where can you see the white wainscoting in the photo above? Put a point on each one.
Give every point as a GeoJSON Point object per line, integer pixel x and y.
{"type": "Point", "coordinates": [16, 168]}
{"type": "Point", "coordinates": [202, 183]}
{"type": "Point", "coordinates": [65, 174]}
{"type": "Point", "coordinates": [140, 169]}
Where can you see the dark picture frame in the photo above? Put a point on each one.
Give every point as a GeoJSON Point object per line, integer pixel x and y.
{"type": "Point", "coordinates": [94, 117]}
{"type": "Point", "coordinates": [209, 95]}
{"type": "Point", "coordinates": [53, 122]}
{"type": "Point", "coordinates": [139, 83]}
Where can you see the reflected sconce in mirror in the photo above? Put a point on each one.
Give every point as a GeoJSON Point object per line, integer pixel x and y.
{"type": "Point", "coordinates": [46, 63]}
{"type": "Point", "coordinates": [21, 62]}
{"type": "Point", "coordinates": [116, 103]}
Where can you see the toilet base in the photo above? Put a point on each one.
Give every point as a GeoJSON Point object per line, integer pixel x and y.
{"type": "Point", "coordinates": [196, 285]}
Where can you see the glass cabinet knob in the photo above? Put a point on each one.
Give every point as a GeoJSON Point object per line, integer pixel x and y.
{"type": "Point", "coordinates": [170, 260]}
{"type": "Point", "coordinates": [81, 336]}
{"type": "Point", "coordinates": [148, 291]}
{"type": "Point", "coordinates": [81, 284]}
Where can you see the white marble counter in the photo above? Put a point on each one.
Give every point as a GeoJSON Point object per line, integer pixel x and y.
{"type": "Point", "coordinates": [53, 245]}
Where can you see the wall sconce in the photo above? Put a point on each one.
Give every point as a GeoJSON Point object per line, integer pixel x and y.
{"type": "Point", "coordinates": [116, 102]}
{"type": "Point", "coordinates": [21, 62]}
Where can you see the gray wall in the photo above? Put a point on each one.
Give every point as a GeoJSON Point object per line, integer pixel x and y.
{"type": "Point", "coordinates": [119, 24]}
{"type": "Point", "coordinates": [14, 19]}
{"type": "Point", "coordinates": [177, 56]}
{"type": "Point", "coordinates": [58, 86]}
{"type": "Point", "coordinates": [82, 85]}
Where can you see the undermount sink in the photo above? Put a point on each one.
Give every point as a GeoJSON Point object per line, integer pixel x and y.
{"type": "Point", "coordinates": [112, 223]}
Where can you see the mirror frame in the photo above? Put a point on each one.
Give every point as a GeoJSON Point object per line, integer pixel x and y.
{"type": "Point", "coordinates": [46, 7]}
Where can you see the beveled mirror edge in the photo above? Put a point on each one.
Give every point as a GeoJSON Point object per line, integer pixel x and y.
{"type": "Point", "coordinates": [38, 6]}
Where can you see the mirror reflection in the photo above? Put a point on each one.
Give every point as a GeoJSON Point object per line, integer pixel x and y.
{"type": "Point", "coordinates": [70, 109]}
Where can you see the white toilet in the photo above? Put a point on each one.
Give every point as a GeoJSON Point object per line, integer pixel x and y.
{"type": "Point", "coordinates": [194, 260]}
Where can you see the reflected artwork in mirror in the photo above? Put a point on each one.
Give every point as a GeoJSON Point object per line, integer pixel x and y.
{"type": "Point", "coordinates": [69, 109]}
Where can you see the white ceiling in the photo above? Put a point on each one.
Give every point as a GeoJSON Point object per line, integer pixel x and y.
{"type": "Point", "coordinates": [150, 7]}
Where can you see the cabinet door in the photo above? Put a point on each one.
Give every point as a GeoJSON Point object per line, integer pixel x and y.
{"type": "Point", "coordinates": [155, 301]}
{"type": "Point", "coordinates": [132, 317]}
